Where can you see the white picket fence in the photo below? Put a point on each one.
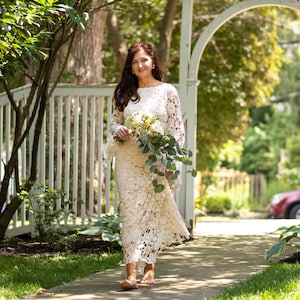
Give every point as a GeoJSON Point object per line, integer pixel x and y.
{"type": "Point", "coordinates": [70, 152]}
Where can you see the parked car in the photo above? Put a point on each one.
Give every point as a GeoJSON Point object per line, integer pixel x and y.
{"type": "Point", "coordinates": [285, 205]}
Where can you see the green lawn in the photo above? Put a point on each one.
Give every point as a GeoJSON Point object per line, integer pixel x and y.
{"type": "Point", "coordinates": [22, 276]}
{"type": "Point", "coordinates": [277, 282]}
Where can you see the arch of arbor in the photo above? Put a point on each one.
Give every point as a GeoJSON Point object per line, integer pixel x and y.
{"type": "Point", "coordinates": [188, 78]}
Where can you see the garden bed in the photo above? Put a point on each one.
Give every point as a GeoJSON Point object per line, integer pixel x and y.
{"type": "Point", "coordinates": [29, 247]}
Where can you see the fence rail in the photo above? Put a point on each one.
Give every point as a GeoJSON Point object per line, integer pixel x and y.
{"type": "Point", "coordinates": [70, 151]}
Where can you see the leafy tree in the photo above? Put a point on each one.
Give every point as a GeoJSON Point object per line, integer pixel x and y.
{"type": "Point", "coordinates": [263, 142]}
{"type": "Point", "coordinates": [239, 70]}
{"type": "Point", "coordinates": [274, 127]}
{"type": "Point", "coordinates": [288, 90]}
{"type": "Point", "coordinates": [33, 31]}
{"type": "Point", "coordinates": [15, 41]}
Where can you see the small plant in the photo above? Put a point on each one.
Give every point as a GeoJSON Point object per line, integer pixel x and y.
{"type": "Point", "coordinates": [107, 227]}
{"type": "Point", "coordinates": [10, 240]}
{"type": "Point", "coordinates": [46, 213]}
{"type": "Point", "coordinates": [286, 235]}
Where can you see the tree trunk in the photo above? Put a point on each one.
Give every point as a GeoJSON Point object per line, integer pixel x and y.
{"type": "Point", "coordinates": [84, 65]}
{"type": "Point", "coordinates": [116, 38]}
{"type": "Point", "coordinates": [166, 29]}
{"type": "Point", "coordinates": [8, 214]}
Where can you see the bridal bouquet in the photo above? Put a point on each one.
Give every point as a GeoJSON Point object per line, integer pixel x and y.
{"type": "Point", "coordinates": [164, 151]}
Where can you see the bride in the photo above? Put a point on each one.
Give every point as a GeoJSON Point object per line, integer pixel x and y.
{"type": "Point", "coordinates": [150, 221]}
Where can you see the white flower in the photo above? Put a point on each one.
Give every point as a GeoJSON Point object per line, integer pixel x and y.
{"type": "Point", "coordinates": [157, 127]}
{"type": "Point", "coordinates": [137, 116]}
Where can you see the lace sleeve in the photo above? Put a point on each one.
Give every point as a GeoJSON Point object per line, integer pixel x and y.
{"type": "Point", "coordinates": [175, 122]}
{"type": "Point", "coordinates": [117, 121]}
{"type": "Point", "coordinates": [111, 146]}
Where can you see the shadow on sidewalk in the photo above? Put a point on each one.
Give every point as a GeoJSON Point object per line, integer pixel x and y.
{"type": "Point", "coordinates": [197, 270]}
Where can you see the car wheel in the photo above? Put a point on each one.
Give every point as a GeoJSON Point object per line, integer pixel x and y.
{"type": "Point", "coordinates": [295, 212]}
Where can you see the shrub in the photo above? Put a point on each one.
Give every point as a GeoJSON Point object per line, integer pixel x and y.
{"type": "Point", "coordinates": [239, 196]}
{"type": "Point", "coordinates": [218, 203]}
{"type": "Point", "coordinates": [47, 215]}
{"type": "Point", "coordinates": [201, 203]}
{"type": "Point", "coordinates": [107, 227]}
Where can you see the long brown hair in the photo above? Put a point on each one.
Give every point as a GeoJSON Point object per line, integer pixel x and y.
{"type": "Point", "coordinates": [127, 88]}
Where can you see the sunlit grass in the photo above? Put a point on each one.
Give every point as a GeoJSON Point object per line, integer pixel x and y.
{"type": "Point", "coordinates": [276, 282]}
{"type": "Point", "coordinates": [21, 276]}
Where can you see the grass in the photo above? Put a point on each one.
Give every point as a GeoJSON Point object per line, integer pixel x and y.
{"type": "Point", "coordinates": [23, 276]}
{"type": "Point", "coordinates": [276, 282]}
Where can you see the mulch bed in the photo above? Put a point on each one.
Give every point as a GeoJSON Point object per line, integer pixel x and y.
{"type": "Point", "coordinates": [82, 244]}
{"type": "Point", "coordinates": [292, 259]}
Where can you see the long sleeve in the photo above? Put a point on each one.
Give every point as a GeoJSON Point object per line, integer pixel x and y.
{"type": "Point", "coordinates": [117, 121]}
{"type": "Point", "coordinates": [111, 146]}
{"type": "Point", "coordinates": [175, 122]}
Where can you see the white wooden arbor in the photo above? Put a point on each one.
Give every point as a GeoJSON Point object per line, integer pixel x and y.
{"type": "Point", "coordinates": [188, 78]}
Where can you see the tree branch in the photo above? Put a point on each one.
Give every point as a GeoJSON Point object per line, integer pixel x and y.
{"type": "Point", "coordinates": [166, 28]}
{"type": "Point", "coordinates": [10, 96]}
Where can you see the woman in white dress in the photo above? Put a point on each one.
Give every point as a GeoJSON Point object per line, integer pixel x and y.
{"type": "Point", "coordinates": [150, 221]}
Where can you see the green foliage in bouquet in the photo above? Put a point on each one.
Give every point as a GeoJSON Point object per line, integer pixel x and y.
{"type": "Point", "coordinates": [164, 151]}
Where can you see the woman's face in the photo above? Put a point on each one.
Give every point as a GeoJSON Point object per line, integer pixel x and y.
{"type": "Point", "coordinates": [142, 64]}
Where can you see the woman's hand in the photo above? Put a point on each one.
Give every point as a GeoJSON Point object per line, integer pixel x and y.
{"type": "Point", "coordinates": [123, 133]}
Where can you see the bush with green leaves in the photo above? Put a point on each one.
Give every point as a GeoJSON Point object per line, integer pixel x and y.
{"type": "Point", "coordinates": [288, 237]}
{"type": "Point", "coordinates": [239, 195]}
{"type": "Point", "coordinates": [218, 203]}
{"type": "Point", "coordinates": [107, 227]}
{"type": "Point", "coordinates": [46, 213]}
{"type": "Point", "coordinates": [200, 203]}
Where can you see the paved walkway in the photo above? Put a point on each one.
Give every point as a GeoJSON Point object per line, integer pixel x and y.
{"type": "Point", "coordinates": [222, 254]}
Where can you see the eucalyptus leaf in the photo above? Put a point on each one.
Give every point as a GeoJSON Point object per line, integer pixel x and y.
{"type": "Point", "coordinates": [159, 188]}
{"type": "Point", "coordinates": [194, 173]}
{"type": "Point", "coordinates": [174, 176]}
{"type": "Point", "coordinates": [187, 162]}
{"type": "Point", "coordinates": [153, 169]}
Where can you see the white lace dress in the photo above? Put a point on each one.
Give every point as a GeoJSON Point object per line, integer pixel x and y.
{"type": "Point", "coordinates": [150, 221]}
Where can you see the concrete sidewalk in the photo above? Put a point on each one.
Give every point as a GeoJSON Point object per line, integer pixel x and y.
{"type": "Point", "coordinates": [222, 254]}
